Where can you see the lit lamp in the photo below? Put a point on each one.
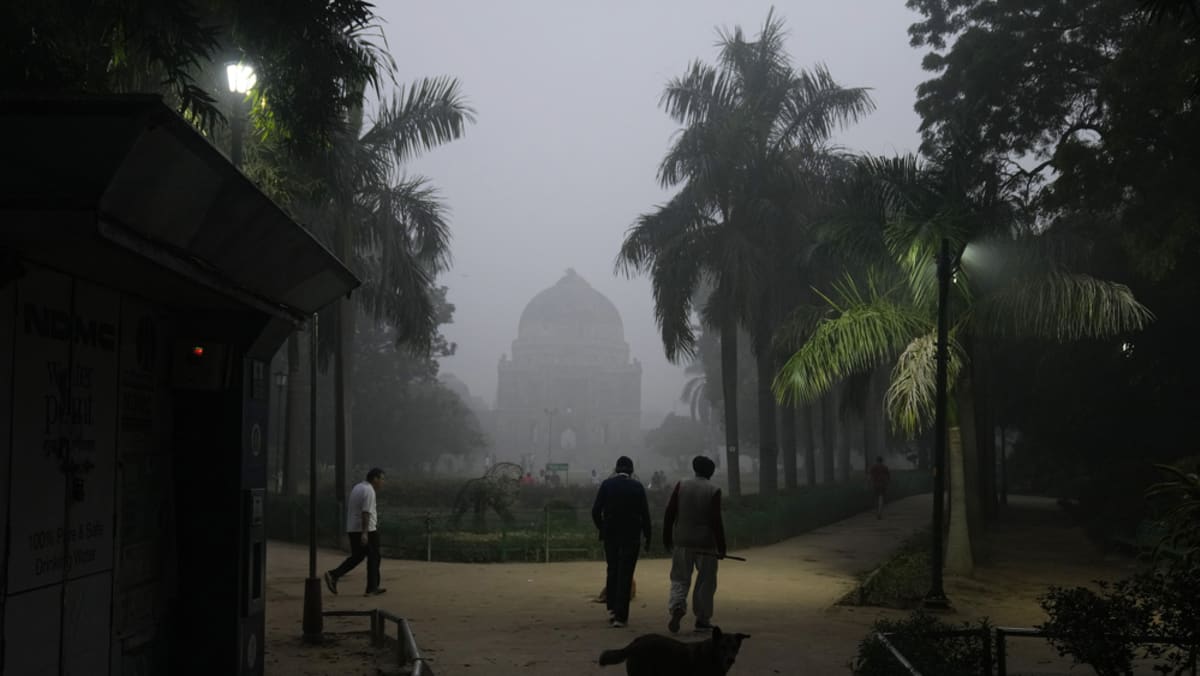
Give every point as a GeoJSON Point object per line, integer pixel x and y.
{"type": "Point", "coordinates": [241, 79]}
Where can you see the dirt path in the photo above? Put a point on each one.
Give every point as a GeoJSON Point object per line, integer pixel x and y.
{"type": "Point", "coordinates": [538, 619]}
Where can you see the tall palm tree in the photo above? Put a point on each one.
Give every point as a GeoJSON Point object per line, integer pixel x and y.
{"type": "Point", "coordinates": [743, 120]}
{"type": "Point", "coordinates": [1011, 285]}
{"type": "Point", "coordinates": [389, 226]}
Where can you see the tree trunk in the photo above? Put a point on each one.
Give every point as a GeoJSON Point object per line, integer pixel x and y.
{"type": "Point", "coordinates": [810, 445]}
{"type": "Point", "coordinates": [729, 367]}
{"type": "Point", "coordinates": [768, 473]}
{"type": "Point", "coordinates": [294, 456]}
{"type": "Point", "coordinates": [959, 558]}
{"type": "Point", "coordinates": [342, 390]}
{"type": "Point", "coordinates": [828, 435]}
{"type": "Point", "coordinates": [844, 436]}
{"type": "Point", "coordinates": [787, 446]}
{"type": "Point", "coordinates": [1003, 465]}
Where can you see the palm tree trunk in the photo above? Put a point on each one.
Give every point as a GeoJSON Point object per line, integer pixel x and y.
{"type": "Point", "coordinates": [844, 435]}
{"type": "Point", "coordinates": [787, 445]}
{"type": "Point", "coordinates": [959, 558]}
{"type": "Point", "coordinates": [768, 451]}
{"type": "Point", "coordinates": [810, 446]}
{"type": "Point", "coordinates": [729, 354]}
{"type": "Point", "coordinates": [828, 435]}
{"type": "Point", "coordinates": [342, 394]}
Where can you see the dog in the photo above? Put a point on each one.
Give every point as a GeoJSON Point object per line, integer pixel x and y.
{"type": "Point", "coordinates": [656, 655]}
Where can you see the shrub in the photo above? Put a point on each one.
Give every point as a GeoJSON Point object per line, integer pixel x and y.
{"type": "Point", "coordinates": [900, 582]}
{"type": "Point", "coordinates": [920, 638]}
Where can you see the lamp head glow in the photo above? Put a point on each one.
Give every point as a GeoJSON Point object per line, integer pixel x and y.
{"type": "Point", "coordinates": [241, 77]}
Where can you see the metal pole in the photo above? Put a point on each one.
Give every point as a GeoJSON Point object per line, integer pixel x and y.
{"type": "Point", "coordinates": [313, 621]}
{"type": "Point", "coordinates": [936, 598]}
{"type": "Point", "coordinates": [549, 436]}
{"type": "Point", "coordinates": [546, 509]}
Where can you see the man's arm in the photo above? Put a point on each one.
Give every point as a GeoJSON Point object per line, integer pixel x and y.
{"type": "Point", "coordinates": [598, 508]}
{"type": "Point", "coordinates": [669, 518]}
{"type": "Point", "coordinates": [717, 524]}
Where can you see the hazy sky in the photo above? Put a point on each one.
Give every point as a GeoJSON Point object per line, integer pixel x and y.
{"type": "Point", "coordinates": [569, 136]}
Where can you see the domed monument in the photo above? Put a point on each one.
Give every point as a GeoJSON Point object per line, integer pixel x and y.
{"type": "Point", "coordinates": [570, 393]}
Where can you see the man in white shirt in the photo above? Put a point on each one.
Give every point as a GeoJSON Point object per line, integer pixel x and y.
{"type": "Point", "coordinates": [362, 522]}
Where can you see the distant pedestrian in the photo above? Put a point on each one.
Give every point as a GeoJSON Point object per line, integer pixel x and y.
{"type": "Point", "coordinates": [595, 478]}
{"type": "Point", "coordinates": [622, 515]}
{"type": "Point", "coordinates": [693, 526]}
{"type": "Point", "coordinates": [362, 524]}
{"type": "Point", "coordinates": [879, 477]}
{"type": "Point", "coordinates": [528, 480]}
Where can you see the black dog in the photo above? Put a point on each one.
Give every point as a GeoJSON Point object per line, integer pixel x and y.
{"type": "Point", "coordinates": [655, 655]}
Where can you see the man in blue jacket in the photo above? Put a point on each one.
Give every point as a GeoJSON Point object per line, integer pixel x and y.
{"type": "Point", "coordinates": [622, 515]}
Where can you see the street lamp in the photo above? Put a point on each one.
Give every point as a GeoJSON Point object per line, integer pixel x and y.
{"type": "Point", "coordinates": [241, 79]}
{"type": "Point", "coordinates": [550, 413]}
{"type": "Point", "coordinates": [313, 621]}
{"type": "Point", "coordinates": [936, 598]}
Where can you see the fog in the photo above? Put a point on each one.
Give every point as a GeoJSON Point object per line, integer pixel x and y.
{"type": "Point", "coordinates": [569, 136]}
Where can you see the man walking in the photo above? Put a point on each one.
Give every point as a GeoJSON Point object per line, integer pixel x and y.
{"type": "Point", "coordinates": [622, 515]}
{"type": "Point", "coordinates": [694, 528]}
{"type": "Point", "coordinates": [879, 477]}
{"type": "Point", "coordinates": [362, 522]}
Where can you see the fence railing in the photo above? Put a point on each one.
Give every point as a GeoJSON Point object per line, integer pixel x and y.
{"type": "Point", "coordinates": [999, 667]}
{"type": "Point", "coordinates": [407, 652]}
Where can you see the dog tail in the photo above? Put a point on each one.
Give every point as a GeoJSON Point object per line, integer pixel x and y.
{"type": "Point", "coordinates": [613, 656]}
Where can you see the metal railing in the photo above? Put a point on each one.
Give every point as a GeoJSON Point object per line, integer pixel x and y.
{"type": "Point", "coordinates": [407, 651]}
{"type": "Point", "coordinates": [1002, 634]}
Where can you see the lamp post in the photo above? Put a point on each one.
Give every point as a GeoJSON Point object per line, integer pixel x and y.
{"type": "Point", "coordinates": [281, 460]}
{"type": "Point", "coordinates": [313, 621]}
{"type": "Point", "coordinates": [936, 598]}
{"type": "Point", "coordinates": [550, 413]}
{"type": "Point", "coordinates": [241, 79]}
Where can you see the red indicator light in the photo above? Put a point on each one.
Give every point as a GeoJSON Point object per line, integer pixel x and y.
{"type": "Point", "coordinates": [198, 351]}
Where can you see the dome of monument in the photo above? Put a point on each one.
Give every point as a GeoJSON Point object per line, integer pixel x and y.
{"type": "Point", "coordinates": [569, 312]}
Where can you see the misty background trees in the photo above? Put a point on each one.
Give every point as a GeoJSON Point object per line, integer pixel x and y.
{"type": "Point", "coordinates": [1062, 168]}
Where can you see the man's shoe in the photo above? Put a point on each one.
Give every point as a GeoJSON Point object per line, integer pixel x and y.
{"type": "Point", "coordinates": [703, 626]}
{"type": "Point", "coordinates": [616, 624]}
{"type": "Point", "coordinates": [375, 592]}
{"type": "Point", "coordinates": [331, 583]}
{"type": "Point", "coordinates": [676, 616]}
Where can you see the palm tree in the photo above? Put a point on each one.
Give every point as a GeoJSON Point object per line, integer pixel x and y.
{"type": "Point", "coordinates": [889, 314]}
{"type": "Point", "coordinates": [389, 226]}
{"type": "Point", "coordinates": [743, 121]}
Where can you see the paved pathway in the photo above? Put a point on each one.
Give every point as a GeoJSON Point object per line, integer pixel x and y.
{"type": "Point", "coordinates": [528, 618]}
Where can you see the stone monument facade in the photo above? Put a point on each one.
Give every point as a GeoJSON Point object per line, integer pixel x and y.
{"type": "Point", "coordinates": [569, 393]}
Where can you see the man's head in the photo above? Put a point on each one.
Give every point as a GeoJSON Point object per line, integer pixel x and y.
{"type": "Point", "coordinates": [375, 478]}
{"type": "Point", "coordinates": [703, 466]}
{"type": "Point", "coordinates": [624, 465]}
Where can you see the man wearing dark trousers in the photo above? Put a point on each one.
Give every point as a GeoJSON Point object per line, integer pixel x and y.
{"type": "Point", "coordinates": [362, 523]}
{"type": "Point", "coordinates": [693, 527]}
{"type": "Point", "coordinates": [622, 515]}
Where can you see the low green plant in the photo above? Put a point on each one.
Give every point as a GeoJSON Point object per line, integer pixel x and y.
{"type": "Point", "coordinates": [900, 582]}
{"type": "Point", "coordinates": [922, 639]}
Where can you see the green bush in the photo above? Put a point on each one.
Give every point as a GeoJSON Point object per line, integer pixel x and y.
{"type": "Point", "coordinates": [900, 582]}
{"type": "Point", "coordinates": [405, 507]}
{"type": "Point", "coordinates": [919, 639]}
{"type": "Point", "coordinates": [1104, 629]}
